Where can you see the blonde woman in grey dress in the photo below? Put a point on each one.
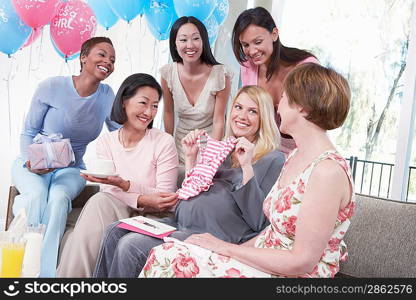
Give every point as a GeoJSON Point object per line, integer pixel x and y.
{"type": "Point", "coordinates": [195, 86]}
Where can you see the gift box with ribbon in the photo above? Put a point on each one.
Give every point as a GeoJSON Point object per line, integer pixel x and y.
{"type": "Point", "coordinates": [51, 151]}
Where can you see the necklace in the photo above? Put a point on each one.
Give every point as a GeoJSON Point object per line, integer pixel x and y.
{"type": "Point", "coordinates": [121, 138]}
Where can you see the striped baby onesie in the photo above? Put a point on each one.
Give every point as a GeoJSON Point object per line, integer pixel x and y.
{"type": "Point", "coordinates": [199, 178]}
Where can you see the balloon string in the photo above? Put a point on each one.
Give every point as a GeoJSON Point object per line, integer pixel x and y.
{"type": "Point", "coordinates": [140, 40]}
{"type": "Point", "coordinates": [155, 59]}
{"type": "Point", "coordinates": [127, 46]}
{"type": "Point", "coordinates": [74, 65]}
{"type": "Point", "coordinates": [62, 67]}
{"type": "Point", "coordinates": [30, 61]}
{"type": "Point", "coordinates": [8, 100]}
{"type": "Point", "coordinates": [40, 46]}
{"type": "Point", "coordinates": [143, 27]}
{"type": "Point", "coordinates": [37, 52]}
{"type": "Point", "coordinates": [68, 67]}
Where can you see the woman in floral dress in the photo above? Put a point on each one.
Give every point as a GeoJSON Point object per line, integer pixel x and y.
{"type": "Point", "coordinates": [309, 207]}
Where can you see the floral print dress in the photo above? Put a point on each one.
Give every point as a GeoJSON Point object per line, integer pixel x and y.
{"type": "Point", "coordinates": [281, 206]}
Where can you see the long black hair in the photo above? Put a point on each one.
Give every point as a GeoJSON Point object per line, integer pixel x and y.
{"type": "Point", "coordinates": [206, 56]}
{"type": "Point", "coordinates": [127, 90]}
{"type": "Point", "coordinates": [259, 16]}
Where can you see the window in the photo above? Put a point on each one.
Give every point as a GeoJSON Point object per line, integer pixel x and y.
{"type": "Point", "coordinates": [367, 42]}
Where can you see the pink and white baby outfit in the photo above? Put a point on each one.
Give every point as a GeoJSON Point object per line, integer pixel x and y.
{"type": "Point", "coordinates": [199, 178]}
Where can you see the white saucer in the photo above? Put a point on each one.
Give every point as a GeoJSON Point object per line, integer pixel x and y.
{"type": "Point", "coordinates": [98, 175]}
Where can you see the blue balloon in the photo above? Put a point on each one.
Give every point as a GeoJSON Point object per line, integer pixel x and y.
{"type": "Point", "coordinates": [127, 9]}
{"type": "Point", "coordinates": [221, 11]}
{"type": "Point", "coordinates": [105, 15]}
{"type": "Point", "coordinates": [200, 9]}
{"type": "Point", "coordinates": [160, 16]}
{"type": "Point", "coordinates": [212, 27]}
{"type": "Point", "coordinates": [13, 32]}
{"type": "Point", "coordinates": [73, 56]}
{"type": "Point", "coordinates": [156, 34]}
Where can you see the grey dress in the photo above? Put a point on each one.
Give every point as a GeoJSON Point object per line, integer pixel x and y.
{"type": "Point", "coordinates": [228, 210]}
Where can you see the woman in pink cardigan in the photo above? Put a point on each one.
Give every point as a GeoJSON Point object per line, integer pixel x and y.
{"type": "Point", "coordinates": [264, 60]}
{"type": "Point", "coordinates": [146, 162]}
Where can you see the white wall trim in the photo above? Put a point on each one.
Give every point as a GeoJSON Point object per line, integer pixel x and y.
{"type": "Point", "coordinates": [406, 126]}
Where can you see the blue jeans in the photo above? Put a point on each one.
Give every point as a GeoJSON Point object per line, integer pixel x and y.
{"type": "Point", "coordinates": [47, 200]}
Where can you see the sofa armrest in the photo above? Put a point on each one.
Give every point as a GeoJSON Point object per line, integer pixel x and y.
{"type": "Point", "coordinates": [78, 202]}
{"type": "Point", "coordinates": [13, 192]}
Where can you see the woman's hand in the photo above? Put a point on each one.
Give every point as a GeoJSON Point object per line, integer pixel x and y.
{"type": "Point", "coordinates": [189, 143]}
{"type": "Point", "coordinates": [38, 171]}
{"type": "Point", "coordinates": [244, 151]}
{"type": "Point", "coordinates": [158, 201]}
{"type": "Point", "coordinates": [111, 180]}
{"type": "Point", "coordinates": [209, 242]}
{"type": "Point", "coordinates": [190, 147]}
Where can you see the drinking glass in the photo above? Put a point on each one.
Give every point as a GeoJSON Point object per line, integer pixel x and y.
{"type": "Point", "coordinates": [12, 251]}
{"type": "Point", "coordinates": [31, 259]}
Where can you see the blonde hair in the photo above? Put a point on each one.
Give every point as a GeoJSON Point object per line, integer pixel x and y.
{"type": "Point", "coordinates": [267, 137]}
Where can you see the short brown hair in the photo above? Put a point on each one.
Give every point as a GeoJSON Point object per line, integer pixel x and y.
{"type": "Point", "coordinates": [90, 43]}
{"type": "Point", "coordinates": [322, 92]}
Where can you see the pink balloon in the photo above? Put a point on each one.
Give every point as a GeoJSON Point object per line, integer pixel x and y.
{"type": "Point", "coordinates": [33, 36]}
{"type": "Point", "coordinates": [36, 13]}
{"type": "Point", "coordinates": [73, 25]}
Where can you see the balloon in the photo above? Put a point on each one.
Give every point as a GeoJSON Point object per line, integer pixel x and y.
{"type": "Point", "coordinates": [212, 27]}
{"type": "Point", "coordinates": [73, 56]}
{"type": "Point", "coordinates": [200, 9]}
{"type": "Point", "coordinates": [221, 11]}
{"type": "Point", "coordinates": [156, 34]}
{"type": "Point", "coordinates": [13, 31]}
{"type": "Point", "coordinates": [160, 16]}
{"type": "Point", "coordinates": [126, 9]}
{"type": "Point", "coordinates": [73, 25]}
{"type": "Point", "coordinates": [36, 13]}
{"type": "Point", "coordinates": [36, 32]}
{"type": "Point", "coordinates": [105, 15]}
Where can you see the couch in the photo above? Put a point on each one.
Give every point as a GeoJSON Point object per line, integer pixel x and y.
{"type": "Point", "coordinates": [381, 240]}
{"type": "Point", "coordinates": [77, 204]}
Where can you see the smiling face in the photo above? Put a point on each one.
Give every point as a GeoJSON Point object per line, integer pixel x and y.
{"type": "Point", "coordinates": [189, 43]}
{"type": "Point", "coordinates": [141, 109]}
{"type": "Point", "coordinates": [100, 61]}
{"type": "Point", "coordinates": [257, 43]}
{"type": "Point", "coordinates": [245, 117]}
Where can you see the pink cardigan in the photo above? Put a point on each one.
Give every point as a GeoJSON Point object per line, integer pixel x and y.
{"type": "Point", "coordinates": [151, 166]}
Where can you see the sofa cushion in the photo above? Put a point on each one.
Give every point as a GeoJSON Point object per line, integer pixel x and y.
{"type": "Point", "coordinates": [381, 240]}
